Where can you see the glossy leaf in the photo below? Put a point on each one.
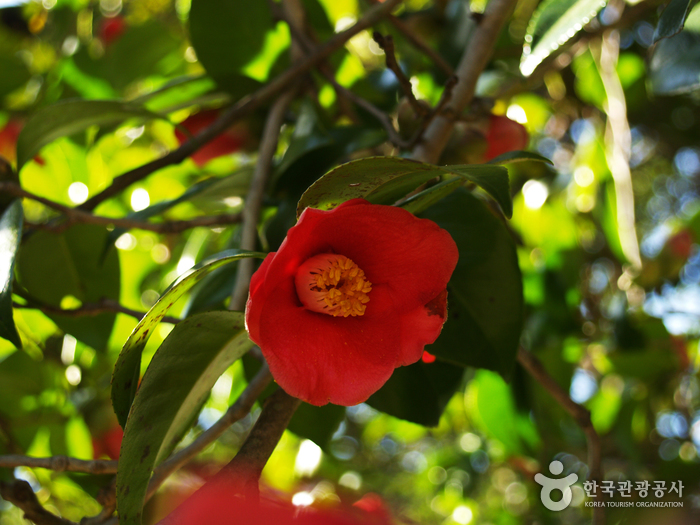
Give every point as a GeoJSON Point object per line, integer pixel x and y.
{"type": "Point", "coordinates": [177, 382]}
{"type": "Point", "coordinates": [518, 156]}
{"type": "Point", "coordinates": [72, 116]}
{"type": "Point", "coordinates": [491, 402]}
{"type": "Point", "coordinates": [384, 180]}
{"type": "Point", "coordinates": [552, 25]}
{"type": "Point", "coordinates": [54, 267]}
{"type": "Point", "coordinates": [219, 26]}
{"type": "Point", "coordinates": [674, 66]}
{"type": "Point", "coordinates": [418, 392]}
{"type": "Point", "coordinates": [14, 73]}
{"type": "Point", "coordinates": [125, 377]}
{"type": "Point", "coordinates": [10, 236]}
{"type": "Point", "coordinates": [672, 19]}
{"type": "Point", "coordinates": [316, 423]}
{"type": "Point", "coordinates": [485, 295]}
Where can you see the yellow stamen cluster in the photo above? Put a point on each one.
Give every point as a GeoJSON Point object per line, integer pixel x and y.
{"type": "Point", "coordinates": [333, 284]}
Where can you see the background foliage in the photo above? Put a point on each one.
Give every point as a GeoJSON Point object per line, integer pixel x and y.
{"type": "Point", "coordinates": [92, 90]}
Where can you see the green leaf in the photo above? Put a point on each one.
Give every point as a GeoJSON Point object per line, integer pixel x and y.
{"type": "Point", "coordinates": [316, 423]}
{"type": "Point", "coordinates": [674, 66]}
{"type": "Point", "coordinates": [552, 25]}
{"type": "Point", "coordinates": [384, 180]}
{"type": "Point", "coordinates": [418, 392]}
{"type": "Point", "coordinates": [14, 74]}
{"type": "Point", "coordinates": [492, 406]}
{"type": "Point", "coordinates": [177, 382]}
{"type": "Point", "coordinates": [518, 156]}
{"type": "Point", "coordinates": [226, 35]}
{"type": "Point", "coordinates": [125, 377]}
{"type": "Point", "coordinates": [426, 198]}
{"type": "Point", "coordinates": [485, 293]}
{"type": "Point", "coordinates": [672, 19]}
{"type": "Point", "coordinates": [53, 267]}
{"type": "Point", "coordinates": [10, 236]}
{"type": "Point", "coordinates": [72, 116]}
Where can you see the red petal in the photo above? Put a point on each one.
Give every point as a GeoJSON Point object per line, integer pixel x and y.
{"type": "Point", "coordinates": [322, 359]}
{"type": "Point", "coordinates": [421, 327]}
{"type": "Point", "coordinates": [252, 309]}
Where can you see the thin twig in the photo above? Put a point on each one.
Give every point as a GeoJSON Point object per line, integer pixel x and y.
{"type": "Point", "coordinates": [581, 415]}
{"type": "Point", "coordinates": [60, 464]}
{"type": "Point", "coordinates": [21, 495]}
{"type": "Point", "coordinates": [244, 107]}
{"type": "Point", "coordinates": [90, 309]}
{"type": "Point", "coordinates": [299, 36]}
{"type": "Point", "coordinates": [444, 100]}
{"type": "Point", "coordinates": [236, 412]}
{"type": "Point", "coordinates": [475, 58]}
{"type": "Point", "coordinates": [256, 193]}
{"type": "Point", "coordinates": [387, 44]}
{"type": "Point", "coordinates": [107, 497]}
{"type": "Point", "coordinates": [262, 440]}
{"type": "Point", "coordinates": [78, 216]}
{"type": "Point", "coordinates": [281, 13]}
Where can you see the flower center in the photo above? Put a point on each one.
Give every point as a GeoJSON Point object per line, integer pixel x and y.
{"type": "Point", "coordinates": [332, 284]}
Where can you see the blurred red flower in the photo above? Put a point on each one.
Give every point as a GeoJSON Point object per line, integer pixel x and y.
{"type": "Point", "coordinates": [351, 294]}
{"type": "Point", "coordinates": [108, 444]}
{"type": "Point", "coordinates": [224, 503]}
{"type": "Point", "coordinates": [504, 135]}
{"type": "Point", "coordinates": [232, 140]}
{"type": "Point", "coordinates": [111, 29]}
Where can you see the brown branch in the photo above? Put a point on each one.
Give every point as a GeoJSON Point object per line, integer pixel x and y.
{"type": "Point", "coordinates": [580, 414]}
{"type": "Point", "coordinates": [262, 440]}
{"type": "Point", "coordinates": [90, 309]}
{"type": "Point", "coordinates": [306, 42]}
{"type": "Point", "coordinates": [60, 464]}
{"type": "Point", "coordinates": [438, 109]}
{"type": "Point", "coordinates": [387, 44]}
{"type": "Point", "coordinates": [107, 497]}
{"type": "Point", "coordinates": [78, 216]}
{"type": "Point", "coordinates": [411, 36]}
{"type": "Point", "coordinates": [236, 412]}
{"type": "Point", "coordinates": [256, 193]}
{"type": "Point", "coordinates": [244, 107]}
{"type": "Point", "coordinates": [21, 495]}
{"type": "Point", "coordinates": [474, 60]}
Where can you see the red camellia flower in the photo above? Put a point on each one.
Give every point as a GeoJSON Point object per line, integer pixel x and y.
{"type": "Point", "coordinates": [351, 294]}
{"type": "Point", "coordinates": [504, 135]}
{"type": "Point", "coordinates": [230, 141]}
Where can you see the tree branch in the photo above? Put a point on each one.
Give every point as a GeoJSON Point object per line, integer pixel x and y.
{"type": "Point", "coordinates": [60, 464]}
{"type": "Point", "coordinates": [244, 107]}
{"type": "Point", "coordinates": [236, 412]}
{"type": "Point", "coordinates": [581, 415]}
{"type": "Point", "coordinates": [78, 216]}
{"type": "Point", "coordinates": [256, 193]}
{"type": "Point", "coordinates": [411, 36]}
{"type": "Point", "coordinates": [305, 41]}
{"type": "Point", "coordinates": [618, 142]}
{"type": "Point", "coordinates": [262, 440]}
{"type": "Point", "coordinates": [474, 60]}
{"type": "Point", "coordinates": [90, 309]}
{"type": "Point", "coordinates": [387, 44]}
{"type": "Point", "coordinates": [21, 495]}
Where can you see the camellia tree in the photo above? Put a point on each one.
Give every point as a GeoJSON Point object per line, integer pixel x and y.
{"type": "Point", "coordinates": [342, 262]}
